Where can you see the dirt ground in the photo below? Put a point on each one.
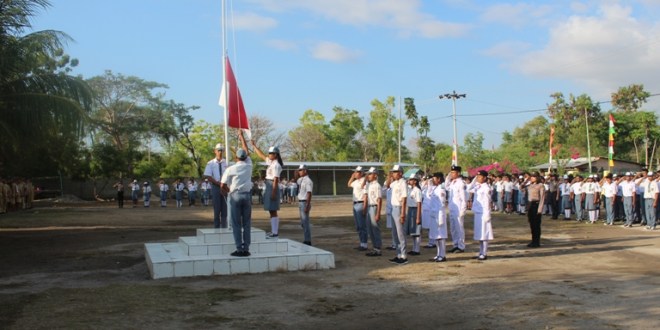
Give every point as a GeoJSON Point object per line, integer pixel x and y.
{"type": "Point", "coordinates": [81, 266]}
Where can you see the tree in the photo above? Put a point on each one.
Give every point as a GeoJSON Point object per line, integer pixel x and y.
{"type": "Point", "coordinates": [381, 132]}
{"type": "Point", "coordinates": [128, 112]}
{"type": "Point", "coordinates": [630, 98]}
{"type": "Point", "coordinates": [42, 107]}
{"type": "Point", "coordinates": [309, 142]}
{"type": "Point", "coordinates": [346, 129]}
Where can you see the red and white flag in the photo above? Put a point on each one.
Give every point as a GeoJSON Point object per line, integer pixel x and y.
{"type": "Point", "coordinates": [231, 100]}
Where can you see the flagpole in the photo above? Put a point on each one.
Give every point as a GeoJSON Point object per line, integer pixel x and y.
{"type": "Point", "coordinates": [224, 78]}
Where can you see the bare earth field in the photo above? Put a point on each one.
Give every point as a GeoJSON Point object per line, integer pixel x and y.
{"type": "Point", "coordinates": [81, 265]}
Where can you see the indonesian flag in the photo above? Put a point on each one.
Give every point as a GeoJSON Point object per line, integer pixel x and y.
{"type": "Point", "coordinates": [610, 149]}
{"type": "Point", "coordinates": [231, 100]}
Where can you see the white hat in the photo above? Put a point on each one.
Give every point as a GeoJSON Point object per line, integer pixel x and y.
{"type": "Point", "coordinates": [520, 177]}
{"type": "Point", "coordinates": [397, 168]}
{"type": "Point", "coordinates": [628, 174]}
{"type": "Point", "coordinates": [220, 147]}
{"type": "Point", "coordinates": [302, 167]}
{"type": "Point", "coordinates": [614, 175]}
{"type": "Point", "coordinates": [372, 170]}
{"type": "Point", "coordinates": [358, 169]}
{"type": "Point", "coordinates": [273, 150]}
{"type": "Point", "coordinates": [650, 173]}
{"type": "Point", "coordinates": [565, 176]}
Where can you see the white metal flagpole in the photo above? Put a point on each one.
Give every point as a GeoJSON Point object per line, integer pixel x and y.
{"type": "Point", "coordinates": [224, 78]}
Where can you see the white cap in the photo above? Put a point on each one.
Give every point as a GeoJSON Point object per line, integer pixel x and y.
{"type": "Point", "coordinates": [565, 176]}
{"type": "Point", "coordinates": [650, 173]}
{"type": "Point", "coordinates": [397, 168]}
{"type": "Point", "coordinates": [372, 170]}
{"type": "Point", "coordinates": [220, 147]}
{"type": "Point", "coordinates": [520, 177]}
{"type": "Point", "coordinates": [628, 173]}
{"type": "Point", "coordinates": [614, 175]}
{"type": "Point", "coordinates": [358, 169]}
{"type": "Point", "coordinates": [302, 167]}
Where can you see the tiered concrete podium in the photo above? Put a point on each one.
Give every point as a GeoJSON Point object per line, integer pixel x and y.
{"type": "Point", "coordinates": [208, 253]}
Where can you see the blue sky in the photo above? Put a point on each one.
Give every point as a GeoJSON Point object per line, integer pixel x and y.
{"type": "Point", "coordinates": [294, 55]}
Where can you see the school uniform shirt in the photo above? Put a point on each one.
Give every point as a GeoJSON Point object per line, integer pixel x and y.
{"type": "Point", "coordinates": [650, 189]}
{"type": "Point", "coordinates": [457, 200]}
{"type": "Point", "coordinates": [427, 191]}
{"type": "Point", "coordinates": [358, 189]}
{"type": "Point", "coordinates": [273, 170]}
{"type": "Point", "coordinates": [628, 188]}
{"type": "Point", "coordinates": [438, 225]}
{"type": "Point", "coordinates": [399, 191]}
{"type": "Point", "coordinates": [179, 186]}
{"type": "Point", "coordinates": [508, 186]}
{"type": "Point", "coordinates": [215, 168]}
{"type": "Point", "coordinates": [589, 188]}
{"type": "Point", "coordinates": [565, 188]}
{"type": "Point", "coordinates": [387, 192]}
{"type": "Point", "coordinates": [205, 185]}
{"type": "Point", "coordinates": [609, 189]}
{"type": "Point", "coordinates": [577, 188]}
{"type": "Point", "coordinates": [146, 190]}
{"type": "Point", "coordinates": [239, 176]}
{"type": "Point", "coordinates": [305, 185]}
{"type": "Point", "coordinates": [414, 197]}
{"type": "Point", "coordinates": [374, 192]}
{"type": "Point", "coordinates": [192, 186]}
{"type": "Point", "coordinates": [163, 187]}
{"type": "Point", "coordinates": [640, 187]}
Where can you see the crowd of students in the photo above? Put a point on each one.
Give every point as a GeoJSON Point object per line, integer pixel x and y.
{"type": "Point", "coordinates": [16, 194]}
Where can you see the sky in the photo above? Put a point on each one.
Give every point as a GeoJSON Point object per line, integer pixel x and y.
{"type": "Point", "coordinates": [293, 55]}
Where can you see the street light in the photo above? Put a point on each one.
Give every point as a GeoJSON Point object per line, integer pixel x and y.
{"type": "Point", "coordinates": [453, 96]}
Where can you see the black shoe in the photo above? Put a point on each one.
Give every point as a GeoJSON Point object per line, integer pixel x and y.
{"type": "Point", "coordinates": [395, 260]}
{"type": "Point", "coordinates": [456, 250]}
{"type": "Point", "coordinates": [413, 253]}
{"type": "Point", "coordinates": [373, 254]}
{"type": "Point", "coordinates": [307, 243]}
{"type": "Point", "coordinates": [443, 259]}
{"type": "Point", "coordinates": [237, 253]}
{"type": "Point", "coordinates": [245, 254]}
{"type": "Point", "coordinates": [482, 257]}
{"type": "Point", "coordinates": [391, 248]}
{"type": "Point", "coordinates": [533, 245]}
{"type": "Point", "coordinates": [361, 248]}
{"type": "Point", "coordinates": [429, 246]}
{"type": "Point", "coordinates": [402, 261]}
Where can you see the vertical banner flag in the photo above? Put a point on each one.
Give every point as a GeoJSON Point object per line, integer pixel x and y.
{"type": "Point", "coordinates": [552, 140]}
{"type": "Point", "coordinates": [454, 159]}
{"type": "Point", "coordinates": [231, 100]}
{"type": "Point", "coordinates": [610, 149]}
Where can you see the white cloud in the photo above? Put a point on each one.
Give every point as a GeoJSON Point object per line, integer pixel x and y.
{"type": "Point", "coordinates": [252, 22]}
{"type": "Point", "coordinates": [333, 52]}
{"type": "Point", "coordinates": [516, 15]}
{"type": "Point", "coordinates": [601, 52]}
{"type": "Point", "coordinates": [404, 17]}
{"type": "Point", "coordinates": [283, 45]}
{"type": "Point", "coordinates": [507, 49]}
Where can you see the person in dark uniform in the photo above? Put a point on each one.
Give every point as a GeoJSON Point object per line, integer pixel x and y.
{"type": "Point", "coordinates": [535, 197]}
{"type": "Point", "coordinates": [120, 193]}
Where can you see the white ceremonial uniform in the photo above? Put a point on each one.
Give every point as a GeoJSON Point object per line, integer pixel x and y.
{"type": "Point", "coordinates": [438, 226]}
{"type": "Point", "coordinates": [483, 230]}
{"type": "Point", "coordinates": [457, 207]}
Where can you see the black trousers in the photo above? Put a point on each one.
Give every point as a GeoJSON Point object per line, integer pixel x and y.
{"type": "Point", "coordinates": [120, 199]}
{"type": "Point", "coordinates": [554, 204]}
{"type": "Point", "coordinates": [534, 218]}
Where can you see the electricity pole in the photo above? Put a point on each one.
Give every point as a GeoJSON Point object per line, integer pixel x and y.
{"type": "Point", "coordinates": [453, 96]}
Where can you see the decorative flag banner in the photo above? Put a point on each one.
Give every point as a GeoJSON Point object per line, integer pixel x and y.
{"type": "Point", "coordinates": [610, 152]}
{"type": "Point", "coordinates": [231, 100]}
{"type": "Point", "coordinates": [454, 160]}
{"type": "Point", "coordinates": [552, 140]}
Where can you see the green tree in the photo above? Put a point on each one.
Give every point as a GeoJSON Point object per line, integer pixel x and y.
{"type": "Point", "coordinates": [42, 107]}
{"type": "Point", "coordinates": [345, 131]}
{"type": "Point", "coordinates": [381, 132]}
{"type": "Point", "coordinates": [630, 98]}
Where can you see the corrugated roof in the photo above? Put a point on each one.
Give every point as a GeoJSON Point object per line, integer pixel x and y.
{"type": "Point", "coordinates": [339, 165]}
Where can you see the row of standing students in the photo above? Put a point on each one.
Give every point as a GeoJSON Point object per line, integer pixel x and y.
{"type": "Point", "coordinates": [411, 207]}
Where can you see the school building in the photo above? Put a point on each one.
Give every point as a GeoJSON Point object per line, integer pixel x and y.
{"type": "Point", "coordinates": [598, 165]}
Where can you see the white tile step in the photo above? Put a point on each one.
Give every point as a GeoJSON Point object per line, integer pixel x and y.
{"type": "Point", "coordinates": [226, 235]}
{"type": "Point", "coordinates": [192, 246]}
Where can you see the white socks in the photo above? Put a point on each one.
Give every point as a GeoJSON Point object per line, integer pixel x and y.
{"type": "Point", "coordinates": [483, 248]}
{"type": "Point", "coordinates": [440, 247]}
{"type": "Point", "coordinates": [592, 216]}
{"type": "Point", "coordinates": [274, 225]}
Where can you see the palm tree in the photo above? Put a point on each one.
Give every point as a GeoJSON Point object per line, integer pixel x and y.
{"type": "Point", "coordinates": [42, 108]}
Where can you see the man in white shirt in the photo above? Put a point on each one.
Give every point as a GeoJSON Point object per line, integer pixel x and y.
{"type": "Point", "coordinates": [457, 206]}
{"type": "Point", "coordinates": [609, 189]}
{"type": "Point", "coordinates": [399, 196]}
{"type": "Point", "coordinates": [213, 172]}
{"type": "Point", "coordinates": [650, 199]}
{"type": "Point", "coordinates": [305, 188]}
{"type": "Point", "coordinates": [236, 182]}
{"type": "Point", "coordinates": [373, 200]}
{"type": "Point", "coordinates": [628, 191]}
{"type": "Point", "coordinates": [357, 183]}
{"type": "Point", "coordinates": [577, 198]}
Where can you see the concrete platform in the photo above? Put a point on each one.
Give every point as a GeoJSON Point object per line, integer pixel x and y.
{"type": "Point", "coordinates": [208, 253]}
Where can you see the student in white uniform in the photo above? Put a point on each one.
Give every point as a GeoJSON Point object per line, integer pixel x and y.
{"type": "Point", "coordinates": [387, 192]}
{"type": "Point", "coordinates": [589, 196]}
{"type": "Point", "coordinates": [399, 199]}
{"type": "Point", "coordinates": [427, 209]}
{"type": "Point", "coordinates": [650, 199]}
{"type": "Point", "coordinates": [306, 186]}
{"type": "Point", "coordinates": [455, 185]}
{"type": "Point", "coordinates": [565, 191]}
{"type": "Point", "coordinates": [480, 203]}
{"type": "Point", "coordinates": [438, 221]}
{"type": "Point", "coordinates": [609, 189]}
{"type": "Point", "coordinates": [164, 188]}
{"type": "Point", "coordinates": [413, 225]}
{"type": "Point", "coordinates": [146, 196]}
{"type": "Point", "coordinates": [135, 190]}
{"type": "Point", "coordinates": [373, 201]}
{"type": "Point", "coordinates": [272, 196]}
{"type": "Point", "coordinates": [628, 190]}
{"type": "Point", "coordinates": [577, 197]}
{"type": "Point", "coordinates": [357, 182]}
{"type": "Point", "coordinates": [213, 171]}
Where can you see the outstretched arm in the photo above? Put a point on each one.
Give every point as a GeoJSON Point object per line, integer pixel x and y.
{"type": "Point", "coordinates": [258, 151]}
{"type": "Point", "coordinates": [243, 143]}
